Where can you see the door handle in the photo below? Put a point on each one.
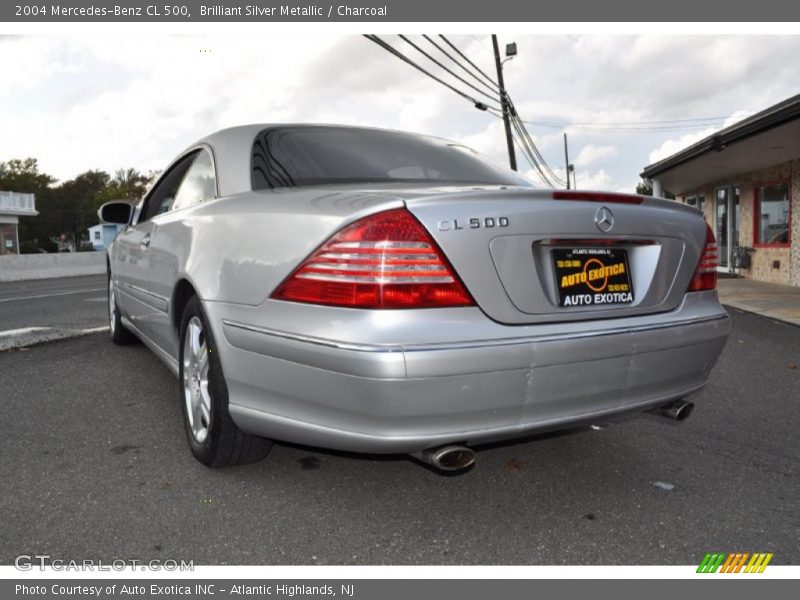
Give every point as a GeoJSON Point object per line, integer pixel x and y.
{"type": "Point", "coordinates": [145, 243]}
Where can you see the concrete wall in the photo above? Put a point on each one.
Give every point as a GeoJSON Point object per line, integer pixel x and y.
{"type": "Point", "coordinates": [43, 266]}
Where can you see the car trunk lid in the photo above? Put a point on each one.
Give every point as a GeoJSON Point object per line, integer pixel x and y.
{"type": "Point", "coordinates": [532, 256]}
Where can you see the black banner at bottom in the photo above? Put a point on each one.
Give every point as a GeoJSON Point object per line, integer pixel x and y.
{"type": "Point", "coordinates": [388, 589]}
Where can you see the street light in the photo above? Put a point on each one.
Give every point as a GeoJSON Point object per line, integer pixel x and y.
{"type": "Point", "coordinates": [511, 52]}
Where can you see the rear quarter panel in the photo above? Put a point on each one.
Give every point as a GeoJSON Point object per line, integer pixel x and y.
{"type": "Point", "coordinates": [239, 248]}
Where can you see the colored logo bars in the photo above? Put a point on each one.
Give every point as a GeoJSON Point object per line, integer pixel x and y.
{"type": "Point", "coordinates": [735, 562]}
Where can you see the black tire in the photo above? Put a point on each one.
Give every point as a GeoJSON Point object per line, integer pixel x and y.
{"type": "Point", "coordinates": [119, 334]}
{"type": "Point", "coordinates": [224, 443]}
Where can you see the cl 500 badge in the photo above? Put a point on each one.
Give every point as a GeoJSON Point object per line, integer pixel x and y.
{"type": "Point", "coordinates": [473, 223]}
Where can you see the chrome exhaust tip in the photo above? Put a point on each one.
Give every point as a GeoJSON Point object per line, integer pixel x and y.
{"type": "Point", "coordinates": [677, 410]}
{"type": "Point", "coordinates": [447, 458]}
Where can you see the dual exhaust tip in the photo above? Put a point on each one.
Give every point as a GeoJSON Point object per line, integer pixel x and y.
{"type": "Point", "coordinates": [453, 458]}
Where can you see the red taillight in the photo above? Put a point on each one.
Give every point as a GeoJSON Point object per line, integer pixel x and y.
{"type": "Point", "coordinates": [705, 276]}
{"type": "Point", "coordinates": [386, 260]}
{"type": "Point", "coordinates": [597, 197]}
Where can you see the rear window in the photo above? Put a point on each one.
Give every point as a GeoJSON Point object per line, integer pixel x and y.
{"type": "Point", "coordinates": [300, 156]}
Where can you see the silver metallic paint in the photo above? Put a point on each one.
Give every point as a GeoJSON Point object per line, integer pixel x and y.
{"type": "Point", "coordinates": [406, 380]}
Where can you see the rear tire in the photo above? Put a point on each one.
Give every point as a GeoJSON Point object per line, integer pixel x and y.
{"type": "Point", "coordinates": [119, 334]}
{"type": "Point", "coordinates": [213, 437]}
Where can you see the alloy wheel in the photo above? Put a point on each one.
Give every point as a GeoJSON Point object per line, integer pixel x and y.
{"type": "Point", "coordinates": [195, 380]}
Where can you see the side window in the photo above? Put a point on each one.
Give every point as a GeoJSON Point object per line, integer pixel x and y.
{"type": "Point", "coordinates": [199, 184]}
{"type": "Point", "coordinates": [162, 196]}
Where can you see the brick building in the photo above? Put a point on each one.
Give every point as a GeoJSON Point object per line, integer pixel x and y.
{"type": "Point", "coordinates": [746, 180]}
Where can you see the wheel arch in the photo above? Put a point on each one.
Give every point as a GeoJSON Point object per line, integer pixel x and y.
{"type": "Point", "coordinates": [183, 292]}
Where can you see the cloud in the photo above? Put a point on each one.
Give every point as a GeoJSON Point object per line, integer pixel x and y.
{"type": "Point", "coordinates": [595, 180]}
{"type": "Point", "coordinates": [489, 139]}
{"type": "Point", "coordinates": [102, 102]}
{"type": "Point", "coordinates": [673, 145]}
{"type": "Point", "coordinates": [591, 154]}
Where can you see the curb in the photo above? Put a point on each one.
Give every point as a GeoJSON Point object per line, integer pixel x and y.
{"type": "Point", "coordinates": [32, 336]}
{"type": "Point", "coordinates": [759, 313]}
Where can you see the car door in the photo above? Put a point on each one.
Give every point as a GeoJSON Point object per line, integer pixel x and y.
{"type": "Point", "coordinates": [171, 241]}
{"type": "Point", "coordinates": [137, 302]}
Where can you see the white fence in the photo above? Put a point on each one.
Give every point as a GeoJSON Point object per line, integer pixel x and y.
{"type": "Point", "coordinates": [44, 266]}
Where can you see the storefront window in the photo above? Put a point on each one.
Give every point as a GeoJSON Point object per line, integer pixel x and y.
{"type": "Point", "coordinates": [773, 214]}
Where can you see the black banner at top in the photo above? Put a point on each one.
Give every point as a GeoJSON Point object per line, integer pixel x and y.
{"type": "Point", "coordinates": [465, 11]}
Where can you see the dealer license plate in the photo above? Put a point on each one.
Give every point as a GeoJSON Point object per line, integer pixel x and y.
{"type": "Point", "coordinates": [592, 276]}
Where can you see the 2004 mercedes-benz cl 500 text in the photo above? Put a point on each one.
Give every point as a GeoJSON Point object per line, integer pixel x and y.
{"type": "Point", "coordinates": [377, 291]}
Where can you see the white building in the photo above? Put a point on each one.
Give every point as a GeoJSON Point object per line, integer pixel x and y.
{"type": "Point", "coordinates": [12, 207]}
{"type": "Point", "coordinates": [103, 234]}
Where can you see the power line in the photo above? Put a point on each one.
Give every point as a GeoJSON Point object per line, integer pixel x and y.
{"type": "Point", "coordinates": [478, 104]}
{"type": "Point", "coordinates": [522, 131]}
{"type": "Point", "coordinates": [646, 122]}
{"type": "Point", "coordinates": [623, 129]}
{"type": "Point", "coordinates": [472, 64]}
{"type": "Point", "coordinates": [522, 138]}
{"type": "Point", "coordinates": [535, 156]}
{"type": "Point", "coordinates": [481, 42]}
{"type": "Point", "coordinates": [529, 149]}
{"type": "Point", "coordinates": [551, 173]}
{"type": "Point", "coordinates": [667, 125]}
{"type": "Point", "coordinates": [436, 62]}
{"type": "Point", "coordinates": [532, 153]}
{"type": "Point", "coordinates": [526, 152]}
{"type": "Point", "coordinates": [465, 69]}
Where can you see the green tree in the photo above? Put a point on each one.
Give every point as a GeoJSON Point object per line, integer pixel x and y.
{"type": "Point", "coordinates": [127, 184]}
{"type": "Point", "coordinates": [70, 207]}
{"type": "Point", "coordinates": [76, 202]}
{"type": "Point", "coordinates": [643, 188]}
{"type": "Point", "coordinates": [23, 175]}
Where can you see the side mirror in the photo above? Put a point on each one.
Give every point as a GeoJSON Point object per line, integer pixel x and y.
{"type": "Point", "coordinates": [118, 213]}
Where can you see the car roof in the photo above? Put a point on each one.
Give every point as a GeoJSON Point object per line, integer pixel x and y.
{"type": "Point", "coordinates": [232, 148]}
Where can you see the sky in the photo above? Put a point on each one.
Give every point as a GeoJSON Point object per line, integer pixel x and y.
{"type": "Point", "coordinates": [81, 102]}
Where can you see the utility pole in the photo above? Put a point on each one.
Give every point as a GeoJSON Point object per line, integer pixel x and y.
{"type": "Point", "coordinates": [512, 159]}
{"type": "Point", "coordinates": [566, 159]}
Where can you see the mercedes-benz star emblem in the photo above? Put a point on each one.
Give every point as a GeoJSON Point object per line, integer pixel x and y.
{"type": "Point", "coordinates": [604, 219]}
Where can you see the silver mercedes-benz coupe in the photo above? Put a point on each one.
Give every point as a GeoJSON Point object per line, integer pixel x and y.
{"type": "Point", "coordinates": [377, 291]}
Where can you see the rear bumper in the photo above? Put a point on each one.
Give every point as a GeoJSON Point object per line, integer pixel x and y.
{"type": "Point", "coordinates": [405, 397]}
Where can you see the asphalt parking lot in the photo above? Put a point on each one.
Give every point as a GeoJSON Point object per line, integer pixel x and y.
{"type": "Point", "coordinates": [95, 465]}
